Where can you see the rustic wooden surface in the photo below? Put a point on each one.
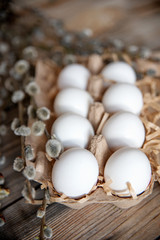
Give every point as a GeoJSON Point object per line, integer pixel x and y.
{"type": "Point", "coordinates": [134, 22]}
{"type": "Point", "coordinates": [141, 20]}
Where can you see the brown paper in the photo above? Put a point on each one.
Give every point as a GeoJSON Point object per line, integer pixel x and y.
{"type": "Point", "coordinates": [46, 74]}
{"type": "Point", "coordinates": [95, 63]}
{"type": "Point", "coordinates": [99, 147]}
{"type": "Point", "coordinates": [144, 65]}
{"type": "Point", "coordinates": [95, 87]}
{"type": "Point", "coordinates": [95, 114]}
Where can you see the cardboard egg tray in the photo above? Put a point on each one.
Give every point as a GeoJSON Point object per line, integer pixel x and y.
{"type": "Point", "coordinates": [46, 77]}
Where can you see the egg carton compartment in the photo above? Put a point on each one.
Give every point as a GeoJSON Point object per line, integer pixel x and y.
{"type": "Point", "coordinates": [148, 82]}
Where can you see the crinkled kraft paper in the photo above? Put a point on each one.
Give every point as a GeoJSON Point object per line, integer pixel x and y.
{"type": "Point", "coordinates": [46, 76]}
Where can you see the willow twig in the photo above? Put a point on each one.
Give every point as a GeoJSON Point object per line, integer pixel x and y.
{"type": "Point", "coordinates": [20, 111]}
{"type": "Point", "coordinates": [43, 221]}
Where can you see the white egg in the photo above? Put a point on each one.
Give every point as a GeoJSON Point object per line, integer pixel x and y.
{"type": "Point", "coordinates": [128, 165]}
{"type": "Point", "coordinates": [73, 100]}
{"type": "Point", "coordinates": [119, 72]}
{"type": "Point", "coordinates": [123, 97]}
{"type": "Point", "coordinates": [124, 129]}
{"type": "Point", "coordinates": [72, 130]}
{"type": "Point", "coordinates": [75, 173]}
{"type": "Point", "coordinates": [74, 75]}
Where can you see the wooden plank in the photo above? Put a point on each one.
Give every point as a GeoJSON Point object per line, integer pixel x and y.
{"type": "Point", "coordinates": [96, 221]}
{"type": "Point", "coordinates": [10, 148]}
{"type": "Point", "coordinates": [137, 221]}
{"type": "Point", "coordinates": [9, 138]}
{"type": "Point", "coordinates": [130, 21]}
{"type": "Point", "coordinates": [13, 180]}
{"type": "Point", "coordinates": [107, 229]}
{"type": "Point", "coordinates": [93, 222]}
{"type": "Point", "coordinates": [133, 22]}
{"type": "Point", "coordinates": [152, 229]}
{"type": "Point", "coordinates": [22, 222]}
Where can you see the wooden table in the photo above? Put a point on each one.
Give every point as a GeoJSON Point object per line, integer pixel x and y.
{"type": "Point", "coordinates": [134, 22]}
{"type": "Point", "coordinates": [96, 221]}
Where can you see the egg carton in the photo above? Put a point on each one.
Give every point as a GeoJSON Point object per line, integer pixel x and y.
{"type": "Point", "coordinates": [46, 77]}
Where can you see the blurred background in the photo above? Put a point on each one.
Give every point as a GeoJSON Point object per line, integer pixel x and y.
{"type": "Point", "coordinates": [133, 22]}
{"type": "Point", "coordinates": [60, 30]}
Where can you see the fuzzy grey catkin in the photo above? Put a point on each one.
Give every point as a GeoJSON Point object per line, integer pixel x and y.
{"type": "Point", "coordinates": [38, 128]}
{"type": "Point", "coordinates": [15, 124]}
{"type": "Point", "coordinates": [30, 53]}
{"type": "Point", "coordinates": [4, 193]}
{"type": "Point", "coordinates": [47, 232]}
{"type": "Point", "coordinates": [26, 194]}
{"type": "Point", "coordinates": [17, 96]}
{"type": "Point", "coordinates": [32, 89]}
{"type": "Point", "coordinates": [43, 113]}
{"type": "Point", "coordinates": [41, 212]}
{"type": "Point", "coordinates": [29, 172]}
{"type": "Point", "coordinates": [21, 67]}
{"type": "Point", "coordinates": [3, 130]}
{"type": "Point", "coordinates": [22, 131]}
{"type": "Point", "coordinates": [9, 85]}
{"type": "Point", "coordinates": [29, 153]}
{"type": "Point", "coordinates": [18, 164]}
{"type": "Point", "coordinates": [53, 148]}
{"type": "Point", "coordinates": [2, 160]}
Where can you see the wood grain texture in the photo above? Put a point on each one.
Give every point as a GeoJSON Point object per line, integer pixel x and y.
{"type": "Point", "coordinates": [135, 22]}
{"type": "Point", "coordinates": [96, 221]}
